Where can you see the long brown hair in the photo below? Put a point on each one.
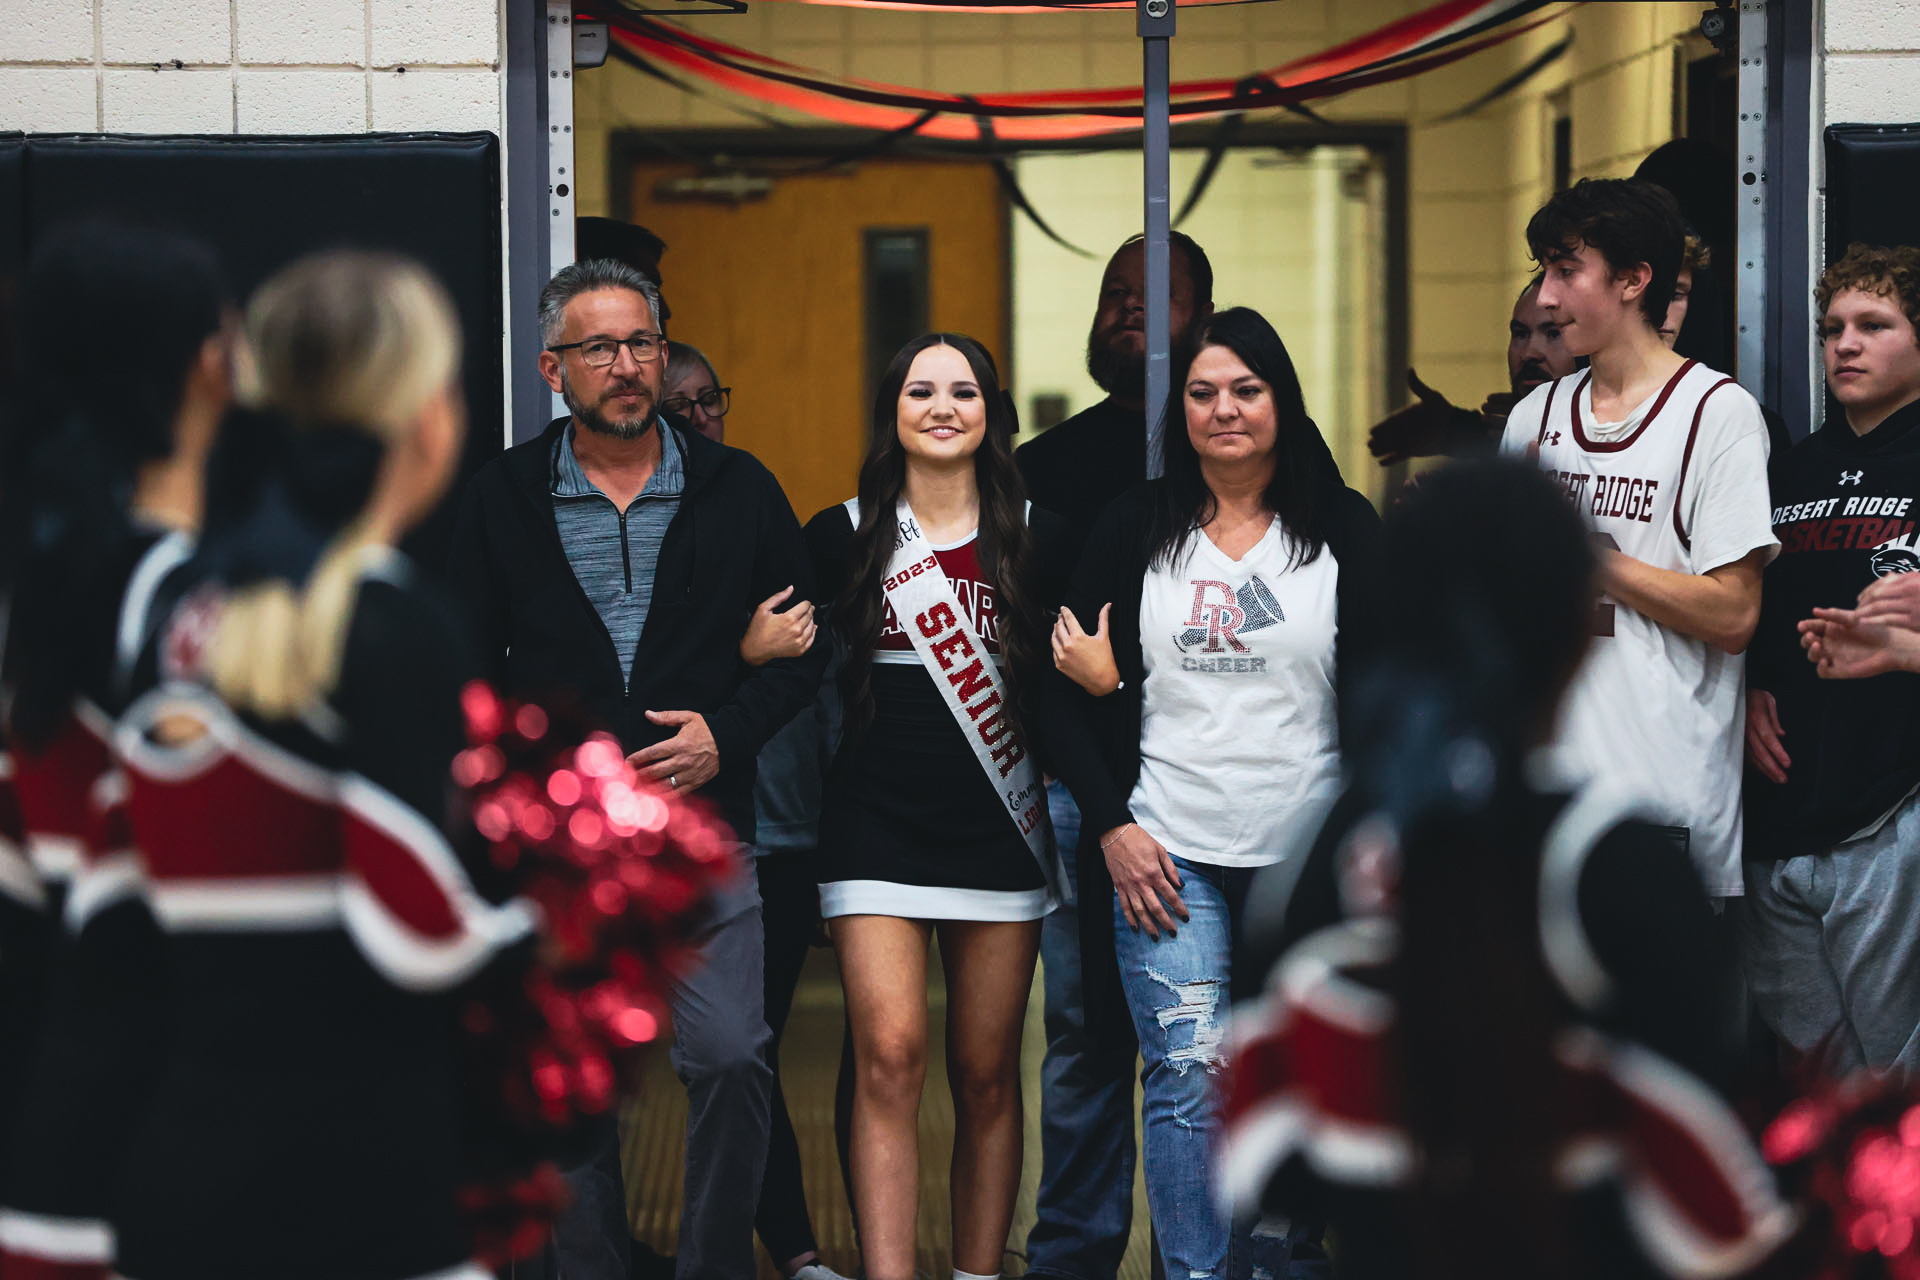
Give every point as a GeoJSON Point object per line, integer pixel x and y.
{"type": "Point", "coordinates": [1005, 545]}
{"type": "Point", "coordinates": [1183, 504]}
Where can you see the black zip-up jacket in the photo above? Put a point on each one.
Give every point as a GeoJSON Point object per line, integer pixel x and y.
{"type": "Point", "coordinates": [1095, 742]}
{"type": "Point", "coordinates": [1846, 509]}
{"type": "Point", "coordinates": [732, 543]}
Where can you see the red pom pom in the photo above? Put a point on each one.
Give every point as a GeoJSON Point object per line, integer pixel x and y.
{"type": "Point", "coordinates": [622, 871]}
{"type": "Point", "coordinates": [1856, 1147]}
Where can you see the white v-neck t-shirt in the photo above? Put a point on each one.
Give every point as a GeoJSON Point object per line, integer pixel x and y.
{"type": "Point", "coordinates": [1239, 742]}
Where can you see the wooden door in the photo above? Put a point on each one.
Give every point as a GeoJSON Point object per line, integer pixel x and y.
{"type": "Point", "coordinates": [774, 290]}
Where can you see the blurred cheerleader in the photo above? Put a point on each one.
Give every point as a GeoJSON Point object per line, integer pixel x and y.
{"type": "Point", "coordinates": [126, 352]}
{"type": "Point", "coordinates": [286, 790]}
{"type": "Point", "coordinates": [1501, 1003]}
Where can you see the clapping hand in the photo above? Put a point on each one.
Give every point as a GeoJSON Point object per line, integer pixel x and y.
{"type": "Point", "coordinates": [1880, 634]}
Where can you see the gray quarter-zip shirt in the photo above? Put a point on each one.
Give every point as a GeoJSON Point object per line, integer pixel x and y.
{"type": "Point", "coordinates": [614, 553]}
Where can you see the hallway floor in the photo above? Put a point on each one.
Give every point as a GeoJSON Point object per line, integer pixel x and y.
{"type": "Point", "coordinates": [654, 1128]}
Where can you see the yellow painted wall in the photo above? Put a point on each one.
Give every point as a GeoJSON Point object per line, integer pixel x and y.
{"type": "Point", "coordinates": [1473, 183]}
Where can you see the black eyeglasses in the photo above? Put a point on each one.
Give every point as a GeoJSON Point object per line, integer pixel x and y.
{"type": "Point", "coordinates": [714, 400]}
{"type": "Point", "coordinates": [600, 353]}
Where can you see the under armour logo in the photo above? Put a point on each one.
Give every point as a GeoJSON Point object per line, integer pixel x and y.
{"type": "Point", "coordinates": [1851, 477]}
{"type": "Point", "coordinates": [1553, 437]}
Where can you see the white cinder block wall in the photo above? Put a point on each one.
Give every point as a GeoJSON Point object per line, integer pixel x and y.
{"type": "Point", "coordinates": [1872, 61]}
{"type": "Point", "coordinates": [250, 66]}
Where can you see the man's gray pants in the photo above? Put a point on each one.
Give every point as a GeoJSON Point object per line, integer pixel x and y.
{"type": "Point", "coordinates": [1830, 944]}
{"type": "Point", "coordinates": [720, 1054]}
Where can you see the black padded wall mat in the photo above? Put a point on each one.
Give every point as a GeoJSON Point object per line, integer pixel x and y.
{"type": "Point", "coordinates": [13, 239]}
{"type": "Point", "coordinates": [1873, 185]}
{"type": "Point", "coordinates": [263, 201]}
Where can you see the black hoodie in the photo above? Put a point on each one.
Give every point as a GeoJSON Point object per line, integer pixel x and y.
{"type": "Point", "coordinates": [732, 543]}
{"type": "Point", "coordinates": [1846, 509]}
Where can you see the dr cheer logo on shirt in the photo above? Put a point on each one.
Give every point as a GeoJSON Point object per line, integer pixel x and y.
{"type": "Point", "coordinates": [1221, 615]}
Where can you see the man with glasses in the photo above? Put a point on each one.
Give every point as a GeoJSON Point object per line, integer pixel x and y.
{"type": "Point", "coordinates": [617, 558]}
{"type": "Point", "coordinates": [693, 391]}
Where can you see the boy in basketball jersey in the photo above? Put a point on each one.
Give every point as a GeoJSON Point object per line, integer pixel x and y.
{"type": "Point", "coordinates": [1831, 936]}
{"type": "Point", "coordinates": [1666, 460]}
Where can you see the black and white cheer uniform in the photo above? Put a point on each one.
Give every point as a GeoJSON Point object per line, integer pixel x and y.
{"type": "Point", "coordinates": [910, 826]}
{"type": "Point", "coordinates": [79, 970]}
{"type": "Point", "coordinates": [307, 1116]}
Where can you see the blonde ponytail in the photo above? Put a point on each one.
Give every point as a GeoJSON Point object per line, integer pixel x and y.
{"type": "Point", "coordinates": [346, 339]}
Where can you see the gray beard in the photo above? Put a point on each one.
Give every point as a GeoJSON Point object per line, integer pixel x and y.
{"type": "Point", "coordinates": [598, 423]}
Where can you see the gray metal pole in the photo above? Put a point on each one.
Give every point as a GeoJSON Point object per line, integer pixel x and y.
{"type": "Point", "coordinates": [1155, 22]}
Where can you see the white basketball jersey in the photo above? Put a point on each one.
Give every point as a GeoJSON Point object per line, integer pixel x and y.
{"type": "Point", "coordinates": [1680, 484]}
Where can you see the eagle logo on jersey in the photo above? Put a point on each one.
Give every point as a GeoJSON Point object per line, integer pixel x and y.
{"type": "Point", "coordinates": [1851, 477]}
{"type": "Point", "coordinates": [1895, 558]}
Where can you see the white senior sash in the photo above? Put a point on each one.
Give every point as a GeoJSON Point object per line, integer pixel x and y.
{"type": "Point", "coordinates": [970, 683]}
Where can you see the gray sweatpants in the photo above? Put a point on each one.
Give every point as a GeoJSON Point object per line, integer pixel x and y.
{"type": "Point", "coordinates": [720, 1054]}
{"type": "Point", "coordinates": [1830, 944]}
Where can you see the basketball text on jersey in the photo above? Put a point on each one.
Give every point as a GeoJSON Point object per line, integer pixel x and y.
{"type": "Point", "coordinates": [1848, 524]}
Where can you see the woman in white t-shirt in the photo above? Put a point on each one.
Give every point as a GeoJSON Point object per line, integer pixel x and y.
{"type": "Point", "coordinates": [1202, 738]}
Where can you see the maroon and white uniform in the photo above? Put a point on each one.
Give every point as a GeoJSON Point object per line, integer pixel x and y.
{"type": "Point", "coordinates": [305, 1117]}
{"type": "Point", "coordinates": [1681, 484]}
{"type": "Point", "coordinates": [910, 826]}
{"type": "Point", "coordinates": [67, 1100]}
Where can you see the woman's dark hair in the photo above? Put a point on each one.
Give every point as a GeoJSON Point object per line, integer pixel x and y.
{"type": "Point", "coordinates": [1005, 545]}
{"type": "Point", "coordinates": [1486, 600]}
{"type": "Point", "coordinates": [112, 318]}
{"type": "Point", "coordinates": [1301, 461]}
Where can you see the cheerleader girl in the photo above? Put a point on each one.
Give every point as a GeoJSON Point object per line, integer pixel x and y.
{"type": "Point", "coordinates": [127, 350]}
{"type": "Point", "coordinates": [934, 821]}
{"type": "Point", "coordinates": [286, 791]}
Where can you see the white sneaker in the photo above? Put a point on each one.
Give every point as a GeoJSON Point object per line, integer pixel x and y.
{"type": "Point", "coordinates": [817, 1271]}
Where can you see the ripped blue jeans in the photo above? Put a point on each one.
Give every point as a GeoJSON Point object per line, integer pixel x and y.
{"type": "Point", "coordinates": [1177, 991]}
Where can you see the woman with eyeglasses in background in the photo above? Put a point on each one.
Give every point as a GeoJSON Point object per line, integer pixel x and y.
{"type": "Point", "coordinates": [692, 391]}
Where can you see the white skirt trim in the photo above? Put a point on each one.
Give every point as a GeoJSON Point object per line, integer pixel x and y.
{"type": "Point", "coordinates": [930, 902]}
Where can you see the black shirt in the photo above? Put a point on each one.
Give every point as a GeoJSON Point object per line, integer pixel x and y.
{"type": "Point", "coordinates": [1845, 509]}
{"type": "Point", "coordinates": [1078, 466]}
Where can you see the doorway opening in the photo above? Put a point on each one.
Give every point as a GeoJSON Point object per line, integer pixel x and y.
{"type": "Point", "coordinates": [792, 269]}
{"type": "Point", "coordinates": [1298, 233]}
